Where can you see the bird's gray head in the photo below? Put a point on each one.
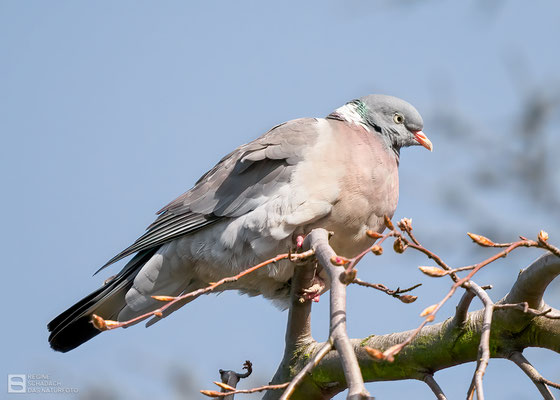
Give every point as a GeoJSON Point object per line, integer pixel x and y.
{"type": "Point", "coordinates": [396, 121]}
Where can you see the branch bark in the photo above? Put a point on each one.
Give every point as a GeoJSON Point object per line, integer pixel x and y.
{"type": "Point", "coordinates": [338, 332]}
{"type": "Point", "coordinates": [484, 346]}
{"type": "Point", "coordinates": [532, 373]}
{"type": "Point", "coordinates": [533, 281]}
{"type": "Point", "coordinates": [431, 382]}
{"type": "Point", "coordinates": [298, 331]}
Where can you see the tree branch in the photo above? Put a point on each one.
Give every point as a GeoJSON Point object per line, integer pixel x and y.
{"type": "Point", "coordinates": [431, 382]}
{"type": "Point", "coordinates": [532, 373]}
{"type": "Point", "coordinates": [437, 346]}
{"type": "Point", "coordinates": [462, 309]}
{"type": "Point", "coordinates": [533, 281]}
{"type": "Point", "coordinates": [484, 346]}
{"type": "Point", "coordinates": [298, 331]}
{"type": "Point", "coordinates": [213, 393]}
{"type": "Point", "coordinates": [306, 370]}
{"type": "Point", "coordinates": [338, 333]}
{"type": "Point", "coordinates": [407, 298]}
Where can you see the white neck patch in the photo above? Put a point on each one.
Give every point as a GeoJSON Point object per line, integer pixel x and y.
{"type": "Point", "coordinates": [349, 114]}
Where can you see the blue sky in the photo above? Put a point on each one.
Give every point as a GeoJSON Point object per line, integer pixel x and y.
{"type": "Point", "coordinates": [111, 109]}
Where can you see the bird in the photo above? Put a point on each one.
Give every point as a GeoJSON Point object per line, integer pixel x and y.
{"type": "Point", "coordinates": [339, 173]}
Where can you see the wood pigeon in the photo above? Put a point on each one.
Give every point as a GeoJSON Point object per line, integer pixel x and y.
{"type": "Point", "coordinates": [339, 173]}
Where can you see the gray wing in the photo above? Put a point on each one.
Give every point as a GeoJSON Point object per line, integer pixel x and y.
{"type": "Point", "coordinates": [242, 181]}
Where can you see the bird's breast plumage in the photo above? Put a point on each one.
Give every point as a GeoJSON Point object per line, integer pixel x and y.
{"type": "Point", "coordinates": [365, 174]}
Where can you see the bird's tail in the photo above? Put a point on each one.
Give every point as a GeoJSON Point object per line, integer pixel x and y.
{"type": "Point", "coordinates": [73, 327]}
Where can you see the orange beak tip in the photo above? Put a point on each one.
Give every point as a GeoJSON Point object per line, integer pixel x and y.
{"type": "Point", "coordinates": [423, 140]}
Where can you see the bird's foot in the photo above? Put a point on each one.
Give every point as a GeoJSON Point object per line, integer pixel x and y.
{"type": "Point", "coordinates": [313, 292]}
{"type": "Point", "coordinates": [299, 241]}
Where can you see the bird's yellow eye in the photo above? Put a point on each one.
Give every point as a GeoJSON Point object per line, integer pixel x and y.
{"type": "Point", "coordinates": [398, 118]}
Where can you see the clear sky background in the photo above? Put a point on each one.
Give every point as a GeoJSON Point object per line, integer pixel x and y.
{"type": "Point", "coordinates": [108, 110]}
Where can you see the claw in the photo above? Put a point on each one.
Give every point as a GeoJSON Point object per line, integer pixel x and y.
{"type": "Point", "coordinates": [313, 292]}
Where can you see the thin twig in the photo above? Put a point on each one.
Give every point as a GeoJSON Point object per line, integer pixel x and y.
{"type": "Point", "coordinates": [213, 393]}
{"type": "Point", "coordinates": [103, 324]}
{"type": "Point", "coordinates": [431, 255]}
{"type": "Point", "coordinates": [532, 373]}
{"type": "Point", "coordinates": [550, 383]}
{"type": "Point", "coordinates": [431, 382]}
{"type": "Point", "coordinates": [394, 293]}
{"type": "Point", "coordinates": [553, 249]}
{"type": "Point", "coordinates": [484, 346]}
{"type": "Point", "coordinates": [405, 225]}
{"type": "Point", "coordinates": [353, 261]}
{"type": "Point", "coordinates": [527, 310]}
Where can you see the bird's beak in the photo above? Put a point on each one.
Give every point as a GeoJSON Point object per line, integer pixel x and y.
{"type": "Point", "coordinates": [423, 140]}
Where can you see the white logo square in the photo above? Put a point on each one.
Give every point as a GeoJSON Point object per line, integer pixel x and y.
{"type": "Point", "coordinates": [17, 383]}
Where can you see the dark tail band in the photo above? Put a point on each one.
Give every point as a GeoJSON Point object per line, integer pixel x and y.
{"type": "Point", "coordinates": [73, 327]}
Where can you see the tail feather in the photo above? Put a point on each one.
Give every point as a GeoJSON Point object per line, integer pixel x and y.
{"type": "Point", "coordinates": [73, 327]}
